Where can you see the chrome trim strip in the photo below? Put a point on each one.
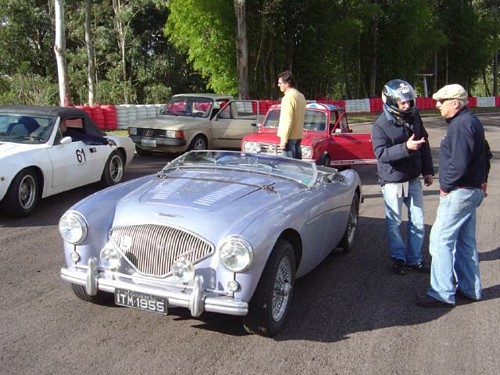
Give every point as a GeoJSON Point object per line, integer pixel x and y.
{"type": "Point", "coordinates": [176, 298]}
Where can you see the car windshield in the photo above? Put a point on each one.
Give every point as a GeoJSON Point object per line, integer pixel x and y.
{"type": "Point", "coordinates": [189, 106]}
{"type": "Point", "coordinates": [272, 118]}
{"type": "Point", "coordinates": [314, 120]}
{"type": "Point", "coordinates": [27, 129]}
{"type": "Point", "coordinates": [300, 171]}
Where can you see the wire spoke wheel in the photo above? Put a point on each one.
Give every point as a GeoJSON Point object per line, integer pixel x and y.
{"type": "Point", "coordinates": [282, 289]}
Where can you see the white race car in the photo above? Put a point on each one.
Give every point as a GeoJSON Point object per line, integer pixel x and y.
{"type": "Point", "coordinates": [48, 150]}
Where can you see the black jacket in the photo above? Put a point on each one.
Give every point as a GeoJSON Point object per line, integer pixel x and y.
{"type": "Point", "coordinates": [395, 163]}
{"type": "Point", "coordinates": [464, 153]}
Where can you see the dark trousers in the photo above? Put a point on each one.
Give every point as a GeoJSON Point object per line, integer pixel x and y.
{"type": "Point", "coordinates": [293, 146]}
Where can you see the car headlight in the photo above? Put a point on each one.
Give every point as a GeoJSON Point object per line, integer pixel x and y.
{"type": "Point", "coordinates": [110, 257]}
{"type": "Point", "coordinates": [73, 227]}
{"type": "Point", "coordinates": [183, 269]}
{"type": "Point", "coordinates": [236, 254]}
{"type": "Point", "coordinates": [132, 131]}
{"type": "Point", "coordinates": [307, 152]}
{"type": "Point", "coordinates": [251, 147]}
{"type": "Point", "coordinates": [179, 134]}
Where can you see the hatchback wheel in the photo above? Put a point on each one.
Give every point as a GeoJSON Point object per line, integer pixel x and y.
{"type": "Point", "coordinates": [198, 143]}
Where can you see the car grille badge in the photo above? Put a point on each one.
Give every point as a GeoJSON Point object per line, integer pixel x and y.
{"type": "Point", "coordinates": [125, 243]}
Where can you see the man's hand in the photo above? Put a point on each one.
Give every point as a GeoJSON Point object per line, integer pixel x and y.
{"type": "Point", "coordinates": [412, 144]}
{"type": "Point", "coordinates": [428, 180]}
{"type": "Point", "coordinates": [484, 186]}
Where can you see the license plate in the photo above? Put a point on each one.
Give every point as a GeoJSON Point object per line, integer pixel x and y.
{"type": "Point", "coordinates": [148, 142]}
{"type": "Point", "coordinates": [141, 301]}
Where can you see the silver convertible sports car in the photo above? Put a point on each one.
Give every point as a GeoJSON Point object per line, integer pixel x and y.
{"type": "Point", "coordinates": [48, 150]}
{"type": "Point", "coordinates": [223, 232]}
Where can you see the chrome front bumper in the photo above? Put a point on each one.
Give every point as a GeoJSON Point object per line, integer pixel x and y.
{"type": "Point", "coordinates": [192, 297]}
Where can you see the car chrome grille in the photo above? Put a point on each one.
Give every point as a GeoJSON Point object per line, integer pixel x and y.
{"type": "Point", "coordinates": [153, 249]}
{"type": "Point", "coordinates": [268, 148]}
{"type": "Point", "coordinates": [147, 132]}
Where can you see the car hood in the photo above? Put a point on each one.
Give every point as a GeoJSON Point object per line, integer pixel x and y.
{"type": "Point", "coordinates": [313, 137]}
{"type": "Point", "coordinates": [168, 121]}
{"type": "Point", "coordinates": [270, 136]}
{"type": "Point", "coordinates": [203, 202]}
{"type": "Point", "coordinates": [9, 148]}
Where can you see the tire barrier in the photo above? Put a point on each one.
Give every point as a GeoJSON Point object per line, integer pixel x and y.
{"type": "Point", "coordinates": [111, 117]}
{"type": "Point", "coordinates": [109, 112]}
{"type": "Point", "coordinates": [375, 105]}
{"type": "Point", "coordinates": [98, 117]}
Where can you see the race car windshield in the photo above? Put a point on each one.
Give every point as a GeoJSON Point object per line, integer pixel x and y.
{"type": "Point", "coordinates": [26, 129]}
{"type": "Point", "coordinates": [303, 172]}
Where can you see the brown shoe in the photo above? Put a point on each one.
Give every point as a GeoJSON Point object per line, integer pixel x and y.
{"type": "Point", "coordinates": [427, 301]}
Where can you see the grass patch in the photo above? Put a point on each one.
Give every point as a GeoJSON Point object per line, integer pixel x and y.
{"type": "Point", "coordinates": [120, 132]}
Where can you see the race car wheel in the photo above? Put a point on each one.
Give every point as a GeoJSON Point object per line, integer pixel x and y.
{"type": "Point", "coordinates": [101, 298]}
{"type": "Point", "coordinates": [23, 194]}
{"type": "Point", "coordinates": [113, 170]}
{"type": "Point", "coordinates": [198, 143]}
{"type": "Point", "coordinates": [347, 242]}
{"type": "Point", "coordinates": [272, 299]}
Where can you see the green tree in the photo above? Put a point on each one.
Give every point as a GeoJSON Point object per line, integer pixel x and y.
{"type": "Point", "coordinates": [27, 37]}
{"type": "Point", "coordinates": [147, 50]}
{"type": "Point", "coordinates": [204, 30]}
{"type": "Point", "coordinates": [466, 52]}
{"type": "Point", "coordinates": [489, 15]}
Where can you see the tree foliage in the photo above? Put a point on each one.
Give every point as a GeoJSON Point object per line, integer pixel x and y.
{"type": "Point", "coordinates": [205, 31]}
{"type": "Point", "coordinates": [147, 50]}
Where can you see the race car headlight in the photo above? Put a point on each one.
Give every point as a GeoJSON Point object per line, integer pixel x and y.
{"type": "Point", "coordinates": [307, 152]}
{"type": "Point", "coordinates": [251, 147]}
{"type": "Point", "coordinates": [132, 131]}
{"type": "Point", "coordinates": [73, 227]}
{"type": "Point", "coordinates": [236, 254]}
{"type": "Point", "coordinates": [183, 269]}
{"type": "Point", "coordinates": [110, 258]}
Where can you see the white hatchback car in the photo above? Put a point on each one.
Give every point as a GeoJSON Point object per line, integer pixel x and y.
{"type": "Point", "coordinates": [48, 150]}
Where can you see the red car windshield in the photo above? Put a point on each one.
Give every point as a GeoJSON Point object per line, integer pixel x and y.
{"type": "Point", "coordinates": [314, 120]}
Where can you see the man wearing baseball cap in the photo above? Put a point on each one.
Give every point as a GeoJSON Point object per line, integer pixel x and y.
{"type": "Point", "coordinates": [463, 173]}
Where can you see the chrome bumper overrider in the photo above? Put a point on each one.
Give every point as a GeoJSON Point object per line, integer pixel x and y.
{"type": "Point", "coordinates": [192, 297]}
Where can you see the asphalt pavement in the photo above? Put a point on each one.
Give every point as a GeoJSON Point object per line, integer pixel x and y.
{"type": "Point", "coordinates": [351, 315]}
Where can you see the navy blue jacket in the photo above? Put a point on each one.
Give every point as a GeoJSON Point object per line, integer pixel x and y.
{"type": "Point", "coordinates": [463, 154]}
{"type": "Point", "coordinates": [395, 163]}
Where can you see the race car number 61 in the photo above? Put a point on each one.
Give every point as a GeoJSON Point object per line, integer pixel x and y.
{"type": "Point", "coordinates": [80, 156]}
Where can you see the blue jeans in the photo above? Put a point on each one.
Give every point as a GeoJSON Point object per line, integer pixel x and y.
{"type": "Point", "coordinates": [455, 262]}
{"type": "Point", "coordinates": [412, 252]}
{"type": "Point", "coordinates": [293, 147]}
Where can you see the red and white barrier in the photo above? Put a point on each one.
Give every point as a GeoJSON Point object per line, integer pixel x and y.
{"type": "Point", "coordinates": [110, 117]}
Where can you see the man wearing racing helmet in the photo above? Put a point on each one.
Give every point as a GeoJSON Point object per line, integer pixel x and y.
{"type": "Point", "coordinates": [403, 155]}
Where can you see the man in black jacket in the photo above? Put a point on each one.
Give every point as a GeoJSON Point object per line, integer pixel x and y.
{"type": "Point", "coordinates": [463, 172]}
{"type": "Point", "coordinates": [403, 155]}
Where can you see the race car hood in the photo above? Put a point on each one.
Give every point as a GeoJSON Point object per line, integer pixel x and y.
{"type": "Point", "coordinates": [9, 148]}
{"type": "Point", "coordinates": [202, 202]}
